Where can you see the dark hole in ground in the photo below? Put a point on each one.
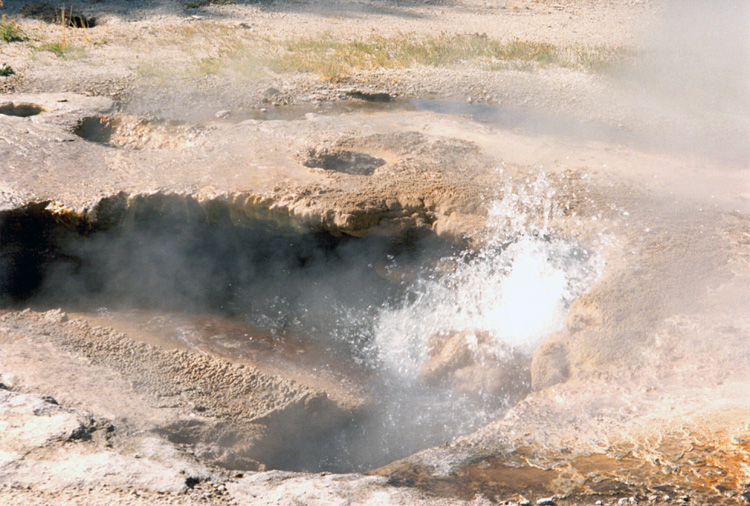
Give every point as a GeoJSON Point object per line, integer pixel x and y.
{"type": "Point", "coordinates": [327, 289]}
{"type": "Point", "coordinates": [81, 21]}
{"type": "Point", "coordinates": [349, 162]}
{"type": "Point", "coordinates": [66, 16]}
{"type": "Point", "coordinates": [21, 110]}
{"type": "Point", "coordinates": [371, 96]}
{"type": "Point", "coordinates": [192, 481]}
{"type": "Point", "coordinates": [180, 262]}
{"type": "Point", "coordinates": [97, 129]}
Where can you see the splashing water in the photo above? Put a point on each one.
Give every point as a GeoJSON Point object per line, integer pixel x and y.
{"type": "Point", "coordinates": [450, 351]}
{"type": "Point", "coordinates": [516, 289]}
{"type": "Point", "coordinates": [454, 353]}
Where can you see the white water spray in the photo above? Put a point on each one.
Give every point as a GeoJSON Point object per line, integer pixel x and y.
{"type": "Point", "coordinates": [515, 290]}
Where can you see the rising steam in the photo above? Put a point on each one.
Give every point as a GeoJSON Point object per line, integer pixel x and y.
{"type": "Point", "coordinates": [693, 76]}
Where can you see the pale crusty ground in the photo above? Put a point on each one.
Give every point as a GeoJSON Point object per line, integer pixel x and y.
{"type": "Point", "coordinates": [674, 228]}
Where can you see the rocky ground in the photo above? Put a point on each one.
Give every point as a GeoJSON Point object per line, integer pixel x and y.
{"type": "Point", "coordinates": [220, 123]}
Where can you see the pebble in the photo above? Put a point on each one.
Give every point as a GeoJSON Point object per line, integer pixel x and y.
{"type": "Point", "coordinates": [223, 114]}
{"type": "Point", "coordinates": [546, 501]}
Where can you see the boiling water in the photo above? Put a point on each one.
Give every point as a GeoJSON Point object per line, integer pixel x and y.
{"type": "Point", "coordinates": [516, 288]}
{"type": "Point", "coordinates": [437, 341]}
{"type": "Point", "coordinates": [502, 301]}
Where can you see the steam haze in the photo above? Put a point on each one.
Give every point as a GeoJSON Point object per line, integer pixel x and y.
{"type": "Point", "coordinates": [693, 73]}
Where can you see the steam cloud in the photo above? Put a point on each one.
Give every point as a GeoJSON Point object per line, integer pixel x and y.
{"type": "Point", "coordinates": [693, 73]}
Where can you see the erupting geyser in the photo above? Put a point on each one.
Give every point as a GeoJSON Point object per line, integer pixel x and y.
{"type": "Point", "coordinates": [438, 340]}
{"type": "Point", "coordinates": [454, 353]}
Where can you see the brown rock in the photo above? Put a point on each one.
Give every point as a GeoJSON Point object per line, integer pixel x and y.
{"type": "Point", "coordinates": [448, 352]}
{"type": "Point", "coordinates": [474, 362]}
{"type": "Point", "coordinates": [549, 365]}
{"type": "Point", "coordinates": [584, 312]}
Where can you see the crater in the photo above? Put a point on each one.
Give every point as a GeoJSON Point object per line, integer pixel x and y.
{"type": "Point", "coordinates": [129, 132]}
{"type": "Point", "coordinates": [23, 110]}
{"type": "Point", "coordinates": [400, 342]}
{"type": "Point", "coordinates": [348, 162]}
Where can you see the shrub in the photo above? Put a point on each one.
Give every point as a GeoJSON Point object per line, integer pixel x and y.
{"type": "Point", "coordinates": [9, 30]}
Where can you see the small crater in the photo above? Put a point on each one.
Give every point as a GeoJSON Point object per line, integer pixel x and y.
{"type": "Point", "coordinates": [129, 132]}
{"type": "Point", "coordinates": [98, 129]}
{"type": "Point", "coordinates": [21, 110]}
{"type": "Point", "coordinates": [349, 162]}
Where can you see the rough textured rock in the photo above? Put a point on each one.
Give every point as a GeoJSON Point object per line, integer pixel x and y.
{"type": "Point", "coordinates": [257, 415]}
{"type": "Point", "coordinates": [549, 364]}
{"type": "Point", "coordinates": [584, 312]}
{"type": "Point", "coordinates": [475, 362]}
{"type": "Point", "coordinates": [425, 179]}
{"type": "Point", "coordinates": [322, 490]}
{"type": "Point", "coordinates": [52, 448]}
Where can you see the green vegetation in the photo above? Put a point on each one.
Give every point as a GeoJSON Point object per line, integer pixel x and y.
{"type": "Point", "coordinates": [62, 50]}
{"type": "Point", "coordinates": [10, 31]}
{"type": "Point", "coordinates": [6, 70]}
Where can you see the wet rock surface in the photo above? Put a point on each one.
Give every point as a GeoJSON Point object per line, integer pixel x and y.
{"type": "Point", "coordinates": [475, 363]}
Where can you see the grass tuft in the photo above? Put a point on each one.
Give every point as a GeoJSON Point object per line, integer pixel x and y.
{"type": "Point", "coordinates": [240, 54]}
{"type": "Point", "coordinates": [62, 50]}
{"type": "Point", "coordinates": [10, 31]}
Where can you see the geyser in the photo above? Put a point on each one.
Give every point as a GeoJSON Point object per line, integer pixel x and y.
{"type": "Point", "coordinates": [438, 340]}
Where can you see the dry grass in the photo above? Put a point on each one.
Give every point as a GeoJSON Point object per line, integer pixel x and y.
{"type": "Point", "coordinates": [63, 49]}
{"type": "Point", "coordinates": [330, 59]}
{"type": "Point", "coordinates": [333, 60]}
{"type": "Point", "coordinates": [217, 49]}
{"type": "Point", "coordinates": [63, 40]}
{"type": "Point", "coordinates": [195, 4]}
